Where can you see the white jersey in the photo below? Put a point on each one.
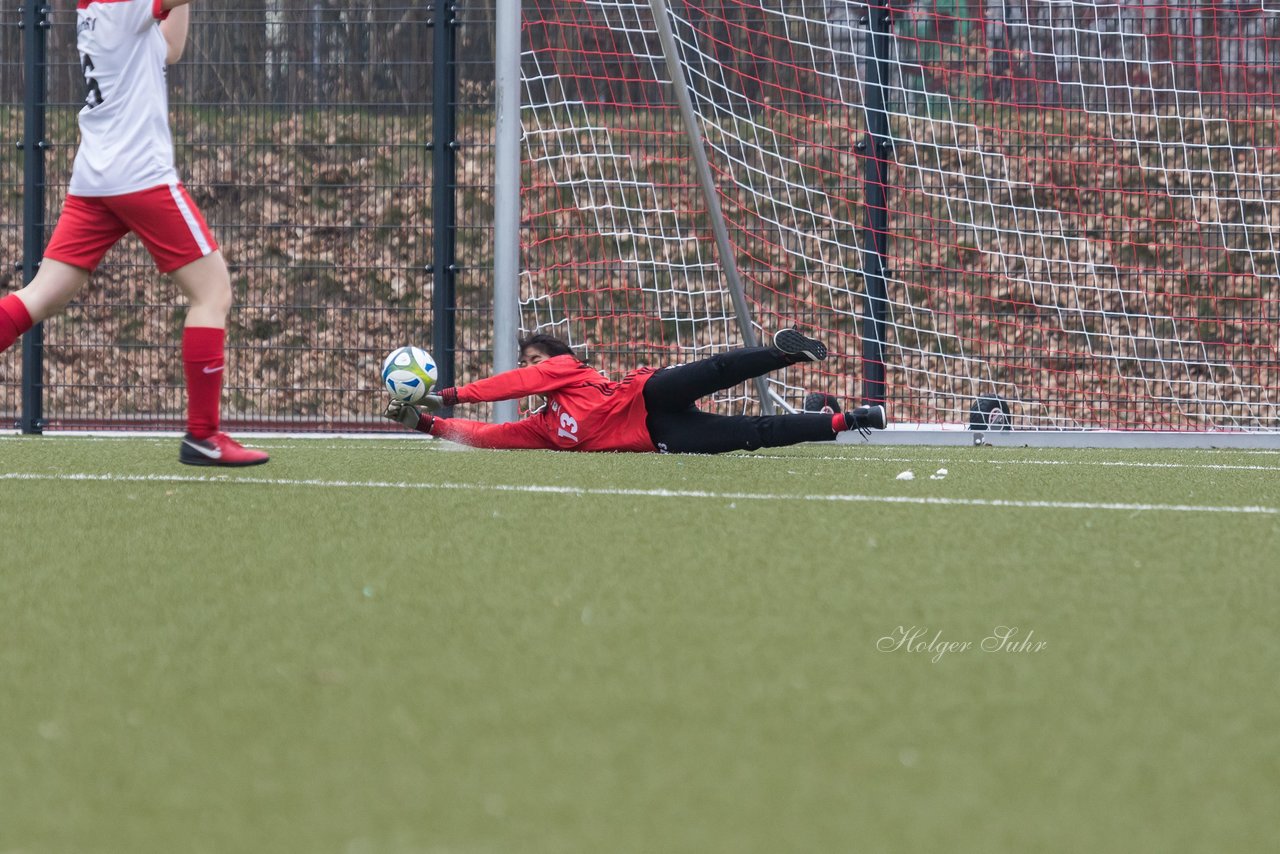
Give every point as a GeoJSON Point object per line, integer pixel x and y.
{"type": "Point", "coordinates": [125, 144]}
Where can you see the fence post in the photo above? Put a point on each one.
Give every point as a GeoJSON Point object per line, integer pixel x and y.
{"type": "Point", "coordinates": [444, 146]}
{"type": "Point", "coordinates": [35, 26]}
{"type": "Point", "coordinates": [876, 150]}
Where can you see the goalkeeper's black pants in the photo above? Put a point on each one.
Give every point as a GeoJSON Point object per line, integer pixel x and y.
{"type": "Point", "coordinates": [676, 426]}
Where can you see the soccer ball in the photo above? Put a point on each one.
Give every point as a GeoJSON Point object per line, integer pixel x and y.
{"type": "Point", "coordinates": [409, 373]}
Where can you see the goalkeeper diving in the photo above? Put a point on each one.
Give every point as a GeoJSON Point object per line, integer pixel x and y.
{"type": "Point", "coordinates": [648, 410]}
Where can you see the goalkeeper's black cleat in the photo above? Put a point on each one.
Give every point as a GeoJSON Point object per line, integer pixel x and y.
{"type": "Point", "coordinates": [864, 419]}
{"type": "Point", "coordinates": [800, 347]}
{"type": "Point", "coordinates": [816, 401]}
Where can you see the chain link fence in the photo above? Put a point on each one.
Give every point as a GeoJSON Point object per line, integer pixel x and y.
{"type": "Point", "coordinates": [304, 132]}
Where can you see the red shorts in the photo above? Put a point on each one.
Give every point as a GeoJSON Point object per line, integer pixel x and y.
{"type": "Point", "coordinates": [164, 218]}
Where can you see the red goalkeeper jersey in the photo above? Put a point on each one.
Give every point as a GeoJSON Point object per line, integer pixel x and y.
{"type": "Point", "coordinates": [585, 411]}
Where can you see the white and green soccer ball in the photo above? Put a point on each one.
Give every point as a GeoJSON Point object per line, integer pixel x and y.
{"type": "Point", "coordinates": [409, 373]}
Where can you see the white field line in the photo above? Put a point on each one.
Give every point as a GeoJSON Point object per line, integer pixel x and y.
{"type": "Point", "coordinates": [580, 492]}
{"type": "Point", "coordinates": [426, 444]}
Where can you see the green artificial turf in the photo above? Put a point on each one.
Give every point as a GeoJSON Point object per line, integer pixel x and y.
{"type": "Point", "coordinates": [392, 646]}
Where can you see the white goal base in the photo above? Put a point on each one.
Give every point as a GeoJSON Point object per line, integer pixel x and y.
{"type": "Point", "coordinates": [937, 434]}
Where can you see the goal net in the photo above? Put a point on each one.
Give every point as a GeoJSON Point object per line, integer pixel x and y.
{"type": "Point", "coordinates": [1080, 208]}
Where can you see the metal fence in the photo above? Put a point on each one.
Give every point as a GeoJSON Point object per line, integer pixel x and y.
{"type": "Point", "coordinates": [306, 133]}
{"type": "Point", "coordinates": [11, 89]}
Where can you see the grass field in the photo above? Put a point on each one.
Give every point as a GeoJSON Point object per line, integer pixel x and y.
{"type": "Point", "coordinates": [395, 646]}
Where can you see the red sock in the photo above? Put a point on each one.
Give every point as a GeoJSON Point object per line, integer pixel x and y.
{"type": "Point", "coordinates": [202, 362]}
{"type": "Point", "coordinates": [838, 424]}
{"type": "Point", "coordinates": [14, 321]}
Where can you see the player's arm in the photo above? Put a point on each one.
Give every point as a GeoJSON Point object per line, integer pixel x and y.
{"type": "Point", "coordinates": [478, 434]}
{"type": "Point", "coordinates": [522, 382]}
{"type": "Point", "coordinates": [517, 435]}
{"type": "Point", "coordinates": [174, 27]}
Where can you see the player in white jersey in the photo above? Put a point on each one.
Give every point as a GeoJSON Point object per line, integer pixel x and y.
{"type": "Point", "coordinates": [124, 180]}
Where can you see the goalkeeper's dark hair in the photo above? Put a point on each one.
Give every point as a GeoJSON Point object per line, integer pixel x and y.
{"type": "Point", "coordinates": [548, 344]}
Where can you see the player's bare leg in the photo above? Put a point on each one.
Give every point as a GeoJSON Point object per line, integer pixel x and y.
{"type": "Point", "coordinates": [207, 284]}
{"type": "Point", "coordinates": [54, 286]}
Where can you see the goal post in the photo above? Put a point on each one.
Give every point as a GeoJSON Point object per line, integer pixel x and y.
{"type": "Point", "coordinates": [1079, 201]}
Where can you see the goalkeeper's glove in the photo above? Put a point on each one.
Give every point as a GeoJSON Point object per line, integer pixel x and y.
{"type": "Point", "coordinates": [408, 415]}
{"type": "Point", "coordinates": [446, 397]}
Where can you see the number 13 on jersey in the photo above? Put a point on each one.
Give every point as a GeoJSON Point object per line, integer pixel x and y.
{"type": "Point", "coordinates": [568, 427]}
